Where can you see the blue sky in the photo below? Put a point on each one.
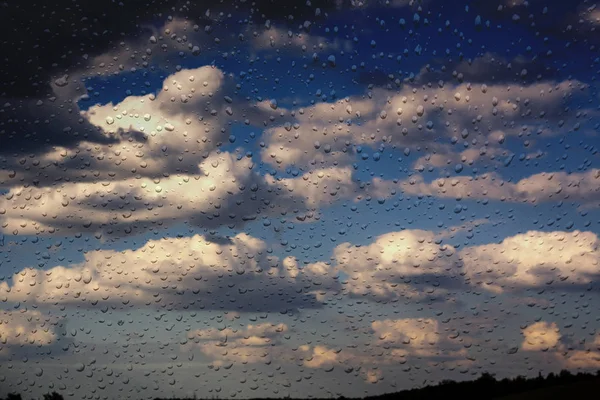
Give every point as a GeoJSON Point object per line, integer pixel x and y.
{"type": "Point", "coordinates": [246, 219]}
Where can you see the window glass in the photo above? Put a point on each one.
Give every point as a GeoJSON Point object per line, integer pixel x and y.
{"type": "Point", "coordinates": [313, 198]}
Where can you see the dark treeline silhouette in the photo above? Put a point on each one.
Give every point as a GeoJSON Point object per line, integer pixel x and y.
{"type": "Point", "coordinates": [49, 396]}
{"type": "Point", "coordinates": [487, 387]}
{"type": "Point", "coordinates": [552, 386]}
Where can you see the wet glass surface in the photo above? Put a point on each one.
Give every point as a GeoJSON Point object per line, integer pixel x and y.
{"type": "Point", "coordinates": [296, 198]}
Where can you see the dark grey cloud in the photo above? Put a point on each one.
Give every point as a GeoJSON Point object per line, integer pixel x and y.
{"type": "Point", "coordinates": [65, 38]}
{"type": "Point", "coordinates": [489, 68]}
{"type": "Point", "coordinates": [50, 38]}
{"type": "Point", "coordinates": [28, 128]}
{"type": "Point", "coordinates": [559, 20]}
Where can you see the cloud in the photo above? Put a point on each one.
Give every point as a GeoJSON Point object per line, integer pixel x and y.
{"type": "Point", "coordinates": [464, 111]}
{"type": "Point", "coordinates": [544, 336]}
{"type": "Point", "coordinates": [373, 375]}
{"type": "Point", "coordinates": [540, 336]}
{"type": "Point", "coordinates": [150, 135]}
{"type": "Point", "coordinates": [191, 272]}
{"type": "Point", "coordinates": [319, 356]}
{"type": "Point", "coordinates": [415, 264]}
{"type": "Point", "coordinates": [411, 340]}
{"type": "Point", "coordinates": [588, 358]}
{"type": "Point", "coordinates": [176, 112]}
{"type": "Point", "coordinates": [248, 345]}
{"type": "Point", "coordinates": [262, 343]}
{"type": "Point", "coordinates": [592, 15]}
{"type": "Point", "coordinates": [548, 186]}
{"type": "Point", "coordinates": [250, 333]}
{"type": "Point", "coordinates": [583, 359]}
{"type": "Point", "coordinates": [122, 205]}
{"type": "Point", "coordinates": [487, 68]}
{"type": "Point", "coordinates": [445, 157]}
{"type": "Point", "coordinates": [191, 114]}
{"type": "Point", "coordinates": [432, 118]}
{"type": "Point", "coordinates": [404, 264]}
{"type": "Point", "coordinates": [236, 354]}
{"type": "Point", "coordinates": [320, 135]}
{"type": "Point", "coordinates": [156, 180]}
{"type": "Point", "coordinates": [34, 126]}
{"type": "Point", "coordinates": [225, 191]}
{"type": "Point", "coordinates": [412, 336]}
{"type": "Point", "coordinates": [319, 187]}
{"type": "Point", "coordinates": [26, 328]}
{"type": "Point", "coordinates": [38, 69]}
{"type": "Point", "coordinates": [278, 38]}
{"type": "Point", "coordinates": [543, 187]}
{"type": "Point", "coordinates": [534, 259]}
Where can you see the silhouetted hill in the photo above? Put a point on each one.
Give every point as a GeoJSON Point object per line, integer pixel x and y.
{"type": "Point", "coordinates": [487, 387]}
{"type": "Point", "coordinates": [578, 390]}
{"type": "Point", "coordinates": [553, 386]}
